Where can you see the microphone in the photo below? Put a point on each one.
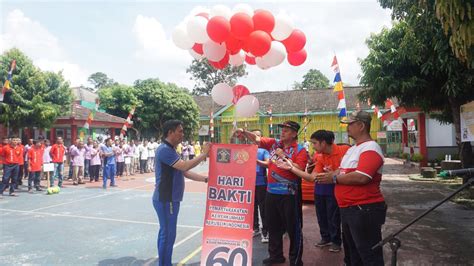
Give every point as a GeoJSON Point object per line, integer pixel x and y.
{"type": "Point", "coordinates": [458, 172]}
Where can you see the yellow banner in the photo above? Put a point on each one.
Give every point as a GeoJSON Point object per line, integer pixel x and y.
{"type": "Point", "coordinates": [230, 119]}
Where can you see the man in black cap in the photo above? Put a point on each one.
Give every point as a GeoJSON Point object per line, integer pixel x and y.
{"type": "Point", "coordinates": [362, 205]}
{"type": "Point", "coordinates": [283, 199]}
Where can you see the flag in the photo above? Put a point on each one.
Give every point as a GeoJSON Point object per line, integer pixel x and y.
{"type": "Point", "coordinates": [8, 81]}
{"type": "Point", "coordinates": [211, 126]}
{"type": "Point", "coordinates": [127, 123]}
{"type": "Point", "coordinates": [342, 103]}
{"type": "Point", "coordinates": [393, 109]}
{"type": "Point", "coordinates": [91, 115]}
{"type": "Point", "coordinates": [377, 111]}
{"type": "Point", "coordinates": [337, 77]}
{"type": "Point", "coordinates": [270, 120]}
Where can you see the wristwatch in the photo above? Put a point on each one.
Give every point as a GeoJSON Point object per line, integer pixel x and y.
{"type": "Point", "coordinates": [334, 179]}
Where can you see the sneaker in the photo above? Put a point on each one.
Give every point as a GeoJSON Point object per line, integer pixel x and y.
{"type": "Point", "coordinates": [256, 232]}
{"type": "Point", "coordinates": [322, 243]}
{"type": "Point", "coordinates": [113, 185]}
{"type": "Point", "coordinates": [264, 238]}
{"type": "Point", "coordinates": [13, 194]}
{"type": "Point", "coordinates": [334, 248]}
{"type": "Point", "coordinates": [273, 260]}
{"type": "Point", "coordinates": [39, 189]}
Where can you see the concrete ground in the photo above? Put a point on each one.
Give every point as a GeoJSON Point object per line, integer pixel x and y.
{"type": "Point", "coordinates": [86, 225]}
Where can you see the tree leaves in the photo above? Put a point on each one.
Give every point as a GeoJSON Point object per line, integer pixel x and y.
{"type": "Point", "coordinates": [206, 76]}
{"type": "Point", "coordinates": [38, 97]}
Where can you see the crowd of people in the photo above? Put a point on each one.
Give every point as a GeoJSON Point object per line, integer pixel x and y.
{"type": "Point", "coordinates": [88, 161]}
{"type": "Point", "coordinates": [350, 207]}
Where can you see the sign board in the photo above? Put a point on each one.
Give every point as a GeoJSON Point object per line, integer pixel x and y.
{"type": "Point", "coordinates": [467, 122]}
{"type": "Point", "coordinates": [228, 222]}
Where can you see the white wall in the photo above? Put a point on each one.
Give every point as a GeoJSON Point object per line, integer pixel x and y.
{"type": "Point", "coordinates": [439, 135]}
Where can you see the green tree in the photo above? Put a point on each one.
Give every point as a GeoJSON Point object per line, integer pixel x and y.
{"type": "Point", "coordinates": [206, 76]}
{"type": "Point", "coordinates": [37, 98]}
{"type": "Point", "coordinates": [100, 80]}
{"type": "Point", "coordinates": [456, 17]}
{"type": "Point", "coordinates": [314, 79]}
{"type": "Point", "coordinates": [414, 63]}
{"type": "Point", "coordinates": [161, 102]}
{"type": "Point", "coordinates": [118, 99]}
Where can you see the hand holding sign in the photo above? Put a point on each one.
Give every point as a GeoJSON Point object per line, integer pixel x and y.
{"type": "Point", "coordinates": [206, 147]}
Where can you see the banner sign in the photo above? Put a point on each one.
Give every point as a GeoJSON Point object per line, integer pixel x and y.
{"type": "Point", "coordinates": [467, 122]}
{"type": "Point", "coordinates": [228, 224]}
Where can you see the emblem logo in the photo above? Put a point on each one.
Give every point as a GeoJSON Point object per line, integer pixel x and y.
{"type": "Point", "coordinates": [241, 156]}
{"type": "Point", "coordinates": [223, 155]}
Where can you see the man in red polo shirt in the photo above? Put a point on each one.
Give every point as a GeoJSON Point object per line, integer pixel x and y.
{"type": "Point", "coordinates": [283, 199]}
{"type": "Point", "coordinates": [12, 155]}
{"type": "Point", "coordinates": [57, 157]}
{"type": "Point", "coordinates": [362, 206]}
{"type": "Point", "coordinates": [35, 161]}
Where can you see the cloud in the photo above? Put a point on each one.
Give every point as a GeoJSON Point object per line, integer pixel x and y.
{"type": "Point", "coordinates": [40, 45]}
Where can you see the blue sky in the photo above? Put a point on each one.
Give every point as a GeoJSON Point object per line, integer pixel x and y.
{"type": "Point", "coordinates": [131, 40]}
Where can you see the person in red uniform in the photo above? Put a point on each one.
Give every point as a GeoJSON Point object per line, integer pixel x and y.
{"type": "Point", "coordinates": [361, 203]}
{"type": "Point", "coordinates": [35, 161]}
{"type": "Point", "coordinates": [12, 154]}
{"type": "Point", "coordinates": [21, 164]}
{"type": "Point", "coordinates": [283, 205]}
{"type": "Point", "coordinates": [5, 142]}
{"type": "Point", "coordinates": [57, 157]}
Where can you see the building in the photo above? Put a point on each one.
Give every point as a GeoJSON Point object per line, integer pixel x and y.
{"type": "Point", "coordinates": [316, 107]}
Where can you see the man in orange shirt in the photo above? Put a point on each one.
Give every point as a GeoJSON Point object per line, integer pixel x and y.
{"type": "Point", "coordinates": [57, 157]}
{"type": "Point", "coordinates": [328, 158]}
{"type": "Point", "coordinates": [35, 161]}
{"type": "Point", "coordinates": [12, 154]}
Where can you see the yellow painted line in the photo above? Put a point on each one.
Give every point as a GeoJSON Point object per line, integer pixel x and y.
{"type": "Point", "coordinates": [190, 256]}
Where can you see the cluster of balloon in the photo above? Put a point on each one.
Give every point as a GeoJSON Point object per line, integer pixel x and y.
{"type": "Point", "coordinates": [246, 105]}
{"type": "Point", "coordinates": [226, 37]}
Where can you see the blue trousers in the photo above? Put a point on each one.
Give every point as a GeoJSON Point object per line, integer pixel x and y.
{"type": "Point", "coordinates": [109, 173]}
{"type": "Point", "coordinates": [58, 173]}
{"type": "Point", "coordinates": [329, 219]}
{"type": "Point", "coordinates": [10, 173]}
{"type": "Point", "coordinates": [168, 217]}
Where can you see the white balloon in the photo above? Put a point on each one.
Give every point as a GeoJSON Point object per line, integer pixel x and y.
{"type": "Point", "coordinates": [276, 55]}
{"type": "Point", "coordinates": [195, 55]}
{"type": "Point", "coordinates": [180, 37]}
{"type": "Point", "coordinates": [221, 10]}
{"type": "Point", "coordinates": [214, 51]}
{"type": "Point", "coordinates": [244, 8]}
{"type": "Point", "coordinates": [222, 94]}
{"type": "Point", "coordinates": [283, 27]}
{"type": "Point", "coordinates": [237, 59]}
{"type": "Point", "coordinates": [261, 63]}
{"type": "Point", "coordinates": [196, 28]}
{"type": "Point", "coordinates": [247, 106]}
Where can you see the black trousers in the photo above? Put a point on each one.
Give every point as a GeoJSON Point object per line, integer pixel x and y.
{"type": "Point", "coordinates": [143, 166]}
{"type": "Point", "coordinates": [283, 214]}
{"type": "Point", "coordinates": [260, 192]}
{"type": "Point", "coordinates": [361, 230]}
{"type": "Point", "coordinates": [120, 166]}
{"type": "Point", "coordinates": [94, 172]}
{"type": "Point", "coordinates": [10, 175]}
{"type": "Point", "coordinates": [34, 178]}
{"type": "Point", "coordinates": [329, 219]}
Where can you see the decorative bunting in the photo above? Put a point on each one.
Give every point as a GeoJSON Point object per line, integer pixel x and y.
{"type": "Point", "coordinates": [211, 126]}
{"type": "Point", "coordinates": [127, 123]}
{"type": "Point", "coordinates": [271, 120]}
{"type": "Point", "coordinates": [91, 115]}
{"type": "Point", "coordinates": [337, 77]}
{"type": "Point", "coordinates": [8, 81]}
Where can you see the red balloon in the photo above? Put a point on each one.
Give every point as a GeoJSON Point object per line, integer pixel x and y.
{"type": "Point", "coordinates": [295, 42]}
{"type": "Point", "coordinates": [197, 47]}
{"type": "Point", "coordinates": [221, 64]}
{"type": "Point", "coordinates": [297, 58]}
{"type": "Point", "coordinates": [250, 60]}
{"type": "Point", "coordinates": [241, 25]}
{"type": "Point", "coordinates": [239, 91]}
{"type": "Point", "coordinates": [204, 15]}
{"type": "Point", "coordinates": [218, 29]}
{"type": "Point", "coordinates": [233, 45]}
{"type": "Point", "coordinates": [259, 42]}
{"type": "Point", "coordinates": [263, 20]}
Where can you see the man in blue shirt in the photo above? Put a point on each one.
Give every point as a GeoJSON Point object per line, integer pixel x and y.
{"type": "Point", "coordinates": [108, 153]}
{"type": "Point", "coordinates": [170, 171]}
{"type": "Point", "coordinates": [263, 157]}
